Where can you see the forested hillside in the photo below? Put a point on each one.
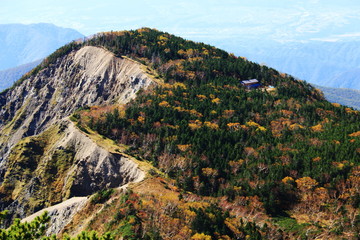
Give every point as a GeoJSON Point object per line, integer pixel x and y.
{"type": "Point", "coordinates": [276, 162]}
{"type": "Point", "coordinates": [288, 148]}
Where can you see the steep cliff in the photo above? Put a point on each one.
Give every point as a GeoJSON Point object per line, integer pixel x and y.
{"type": "Point", "coordinates": [71, 168]}
{"type": "Point", "coordinates": [90, 76]}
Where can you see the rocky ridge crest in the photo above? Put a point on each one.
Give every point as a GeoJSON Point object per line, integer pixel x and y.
{"type": "Point", "coordinates": [34, 124]}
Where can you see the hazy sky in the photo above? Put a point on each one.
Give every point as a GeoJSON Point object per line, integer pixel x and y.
{"type": "Point", "coordinates": [280, 20]}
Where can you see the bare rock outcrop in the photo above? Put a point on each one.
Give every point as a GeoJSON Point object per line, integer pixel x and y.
{"type": "Point", "coordinates": [72, 165]}
{"type": "Point", "coordinates": [60, 214]}
{"type": "Point", "coordinates": [89, 76]}
{"type": "Point", "coordinates": [44, 158]}
{"type": "Point", "coordinates": [95, 168]}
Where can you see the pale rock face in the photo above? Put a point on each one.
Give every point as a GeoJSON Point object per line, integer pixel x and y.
{"type": "Point", "coordinates": [90, 76]}
{"type": "Point", "coordinates": [60, 214]}
{"type": "Point", "coordinates": [87, 77]}
{"type": "Point", "coordinates": [94, 169]}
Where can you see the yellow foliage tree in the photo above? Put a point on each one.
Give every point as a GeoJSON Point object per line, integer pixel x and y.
{"type": "Point", "coordinates": [201, 97]}
{"type": "Point", "coordinates": [261, 129]}
{"type": "Point", "coordinates": [180, 85]}
{"type": "Point", "coordinates": [184, 147]}
{"type": "Point", "coordinates": [195, 124]}
{"type": "Point", "coordinates": [211, 125]}
{"type": "Point", "coordinates": [209, 172]}
{"type": "Point", "coordinates": [181, 52]}
{"type": "Point", "coordinates": [233, 126]}
{"type": "Point", "coordinates": [296, 126]}
{"type": "Point", "coordinates": [355, 134]}
{"type": "Point", "coordinates": [216, 100]}
{"type": "Point", "coordinates": [141, 119]}
{"type": "Point", "coordinates": [164, 104]}
{"type": "Point", "coordinates": [252, 124]}
{"type": "Point", "coordinates": [163, 38]}
{"type": "Point", "coordinates": [201, 236]}
{"type": "Point", "coordinates": [236, 165]}
{"type": "Point", "coordinates": [195, 113]}
{"type": "Point", "coordinates": [317, 128]}
{"type": "Point", "coordinates": [287, 180]}
{"type": "Point", "coordinates": [306, 183]}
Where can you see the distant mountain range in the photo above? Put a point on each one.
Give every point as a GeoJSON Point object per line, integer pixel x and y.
{"type": "Point", "coordinates": [349, 79]}
{"type": "Point", "coordinates": [330, 64]}
{"type": "Point", "coordinates": [9, 76]}
{"type": "Point", "coordinates": [344, 96]}
{"type": "Point", "coordinates": [22, 47]}
{"type": "Point", "coordinates": [22, 44]}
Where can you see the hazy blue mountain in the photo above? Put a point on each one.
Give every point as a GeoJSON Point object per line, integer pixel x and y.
{"type": "Point", "coordinates": [331, 64]}
{"type": "Point", "coordinates": [9, 76]}
{"type": "Point", "coordinates": [344, 96]}
{"type": "Point", "coordinates": [21, 44]}
{"type": "Point", "coordinates": [349, 79]}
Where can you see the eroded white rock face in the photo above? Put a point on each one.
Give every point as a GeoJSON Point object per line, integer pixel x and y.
{"type": "Point", "coordinates": [87, 77]}
{"type": "Point", "coordinates": [90, 76]}
{"type": "Point", "coordinates": [60, 214]}
{"type": "Point", "coordinates": [115, 79]}
{"type": "Point", "coordinates": [94, 167]}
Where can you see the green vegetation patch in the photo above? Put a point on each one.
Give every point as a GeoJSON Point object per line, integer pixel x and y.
{"type": "Point", "coordinates": [290, 224]}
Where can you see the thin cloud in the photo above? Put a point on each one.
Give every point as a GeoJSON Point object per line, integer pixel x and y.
{"type": "Point", "coordinates": [274, 19]}
{"type": "Point", "coordinates": [349, 35]}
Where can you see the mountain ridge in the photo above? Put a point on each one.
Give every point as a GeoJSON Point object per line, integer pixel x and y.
{"type": "Point", "coordinates": [233, 162]}
{"type": "Point", "coordinates": [344, 96]}
{"type": "Point", "coordinates": [9, 76]}
{"type": "Point", "coordinates": [329, 64]}
{"type": "Point", "coordinates": [23, 44]}
{"type": "Point", "coordinates": [95, 76]}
